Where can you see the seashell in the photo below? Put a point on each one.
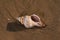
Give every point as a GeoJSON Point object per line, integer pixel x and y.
{"type": "Point", "coordinates": [30, 21]}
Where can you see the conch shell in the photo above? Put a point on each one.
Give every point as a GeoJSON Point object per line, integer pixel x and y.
{"type": "Point", "coordinates": [31, 21]}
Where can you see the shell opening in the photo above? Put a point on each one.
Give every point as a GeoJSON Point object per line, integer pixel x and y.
{"type": "Point", "coordinates": [35, 18]}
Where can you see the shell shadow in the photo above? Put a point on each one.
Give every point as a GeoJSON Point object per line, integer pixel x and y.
{"type": "Point", "coordinates": [16, 26]}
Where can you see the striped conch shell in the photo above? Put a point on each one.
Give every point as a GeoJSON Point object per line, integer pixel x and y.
{"type": "Point", "coordinates": [31, 21]}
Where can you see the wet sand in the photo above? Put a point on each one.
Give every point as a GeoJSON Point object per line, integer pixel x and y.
{"type": "Point", "coordinates": [49, 10]}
